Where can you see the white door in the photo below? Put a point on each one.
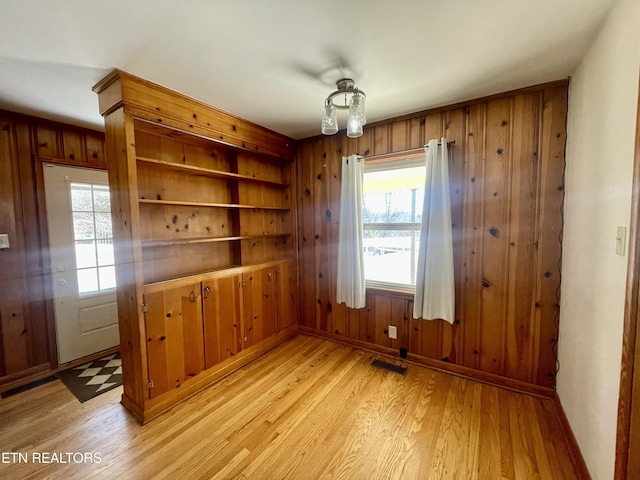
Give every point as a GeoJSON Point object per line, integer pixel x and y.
{"type": "Point", "coordinates": [82, 264]}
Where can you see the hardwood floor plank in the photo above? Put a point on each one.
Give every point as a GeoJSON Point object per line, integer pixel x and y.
{"type": "Point", "coordinates": [557, 451]}
{"type": "Point", "coordinates": [308, 409]}
{"type": "Point", "coordinates": [506, 447]}
{"type": "Point", "coordinates": [329, 425]}
{"type": "Point", "coordinates": [489, 456]}
{"type": "Point", "coordinates": [381, 416]}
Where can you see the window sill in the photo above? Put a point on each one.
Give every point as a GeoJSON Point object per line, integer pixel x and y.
{"type": "Point", "coordinates": [390, 291]}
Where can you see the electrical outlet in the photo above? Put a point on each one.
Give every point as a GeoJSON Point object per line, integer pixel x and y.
{"type": "Point", "coordinates": [393, 332]}
{"type": "Point", "coordinates": [4, 240]}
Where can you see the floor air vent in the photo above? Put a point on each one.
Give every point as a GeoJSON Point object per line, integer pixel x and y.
{"type": "Point", "coordinates": [389, 367]}
{"type": "Point", "coordinates": [28, 386]}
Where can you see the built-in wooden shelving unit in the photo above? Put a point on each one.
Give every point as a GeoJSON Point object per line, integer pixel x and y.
{"type": "Point", "coordinates": [204, 231]}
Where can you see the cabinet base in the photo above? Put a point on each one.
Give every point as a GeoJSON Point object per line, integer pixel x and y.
{"type": "Point", "coordinates": [156, 406]}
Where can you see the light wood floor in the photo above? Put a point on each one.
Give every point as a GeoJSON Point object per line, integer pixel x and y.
{"type": "Point", "coordinates": [310, 409]}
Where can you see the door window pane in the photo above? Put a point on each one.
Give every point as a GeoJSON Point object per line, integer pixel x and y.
{"type": "Point", "coordinates": [88, 281]}
{"type": "Point", "coordinates": [83, 227]}
{"type": "Point", "coordinates": [105, 252]}
{"type": "Point", "coordinates": [85, 253]}
{"type": "Point", "coordinates": [93, 233]}
{"type": "Point", "coordinates": [107, 276]}
{"type": "Point", "coordinates": [81, 199]}
{"type": "Point", "coordinates": [101, 199]}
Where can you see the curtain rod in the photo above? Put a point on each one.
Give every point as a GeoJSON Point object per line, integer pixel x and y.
{"type": "Point", "coordinates": [411, 152]}
{"type": "Point", "coordinates": [452, 142]}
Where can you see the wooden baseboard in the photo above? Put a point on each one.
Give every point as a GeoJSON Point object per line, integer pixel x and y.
{"type": "Point", "coordinates": [39, 372]}
{"type": "Point", "coordinates": [25, 376]}
{"type": "Point", "coordinates": [132, 407]}
{"type": "Point", "coordinates": [577, 459]}
{"type": "Point", "coordinates": [156, 406]}
{"type": "Point", "coordinates": [88, 358]}
{"type": "Point", "coordinates": [465, 372]}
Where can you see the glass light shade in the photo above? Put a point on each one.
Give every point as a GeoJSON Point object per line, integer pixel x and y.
{"type": "Point", "coordinates": [354, 127]}
{"type": "Point", "coordinates": [356, 108]}
{"type": "Point", "coordinates": [329, 120]}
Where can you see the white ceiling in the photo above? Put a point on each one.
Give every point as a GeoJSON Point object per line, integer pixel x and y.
{"type": "Point", "coordinates": [274, 61]}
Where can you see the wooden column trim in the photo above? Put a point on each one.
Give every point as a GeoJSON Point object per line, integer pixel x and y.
{"type": "Point", "coordinates": [628, 436]}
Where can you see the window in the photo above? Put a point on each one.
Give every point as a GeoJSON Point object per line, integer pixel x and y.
{"type": "Point", "coordinates": [392, 215]}
{"type": "Point", "coordinates": [91, 211]}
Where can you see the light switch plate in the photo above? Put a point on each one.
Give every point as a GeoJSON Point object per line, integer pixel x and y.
{"type": "Point", "coordinates": [393, 332]}
{"type": "Point", "coordinates": [4, 241]}
{"type": "Point", "coordinates": [621, 241]}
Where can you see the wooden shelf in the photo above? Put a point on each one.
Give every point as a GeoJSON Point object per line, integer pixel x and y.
{"type": "Point", "coordinates": [206, 204]}
{"type": "Point", "coordinates": [207, 172]}
{"type": "Point", "coordinates": [187, 241]}
{"type": "Point", "coordinates": [180, 134]}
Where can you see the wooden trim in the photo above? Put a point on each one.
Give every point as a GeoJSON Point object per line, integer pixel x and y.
{"type": "Point", "coordinates": [88, 358]}
{"type": "Point", "coordinates": [629, 375]}
{"type": "Point", "coordinates": [45, 268]}
{"type": "Point", "coordinates": [132, 406]}
{"type": "Point", "coordinates": [41, 371]}
{"type": "Point", "coordinates": [152, 127]}
{"type": "Point", "coordinates": [399, 155]}
{"type": "Point", "coordinates": [575, 454]}
{"type": "Point", "coordinates": [71, 163]}
{"type": "Point", "coordinates": [208, 275]}
{"type": "Point", "coordinates": [390, 292]}
{"type": "Point", "coordinates": [458, 370]}
{"type": "Point", "coordinates": [23, 377]}
{"type": "Point", "coordinates": [146, 100]}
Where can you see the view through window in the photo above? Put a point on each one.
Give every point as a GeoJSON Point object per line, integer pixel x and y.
{"type": "Point", "coordinates": [392, 214]}
{"type": "Point", "coordinates": [91, 210]}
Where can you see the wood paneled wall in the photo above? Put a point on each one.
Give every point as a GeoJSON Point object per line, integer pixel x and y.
{"type": "Point", "coordinates": [506, 174]}
{"type": "Point", "coordinates": [27, 336]}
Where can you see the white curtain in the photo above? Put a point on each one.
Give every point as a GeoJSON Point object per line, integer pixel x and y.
{"type": "Point", "coordinates": [350, 283]}
{"type": "Point", "coordinates": [435, 294]}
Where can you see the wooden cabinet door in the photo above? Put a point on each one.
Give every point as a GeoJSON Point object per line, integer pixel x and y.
{"type": "Point", "coordinates": [258, 305]}
{"type": "Point", "coordinates": [222, 320]}
{"type": "Point", "coordinates": [285, 295]}
{"type": "Point", "coordinates": [175, 345]}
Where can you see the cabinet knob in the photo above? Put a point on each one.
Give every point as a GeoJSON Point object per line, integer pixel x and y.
{"type": "Point", "coordinates": [192, 296]}
{"type": "Point", "coordinates": [206, 292]}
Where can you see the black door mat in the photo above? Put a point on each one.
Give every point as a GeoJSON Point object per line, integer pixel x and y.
{"type": "Point", "coordinates": [93, 378]}
{"type": "Point", "coordinates": [28, 386]}
{"type": "Point", "coordinates": [389, 367]}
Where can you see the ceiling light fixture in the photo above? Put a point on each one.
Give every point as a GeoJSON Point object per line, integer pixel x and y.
{"type": "Point", "coordinates": [349, 97]}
